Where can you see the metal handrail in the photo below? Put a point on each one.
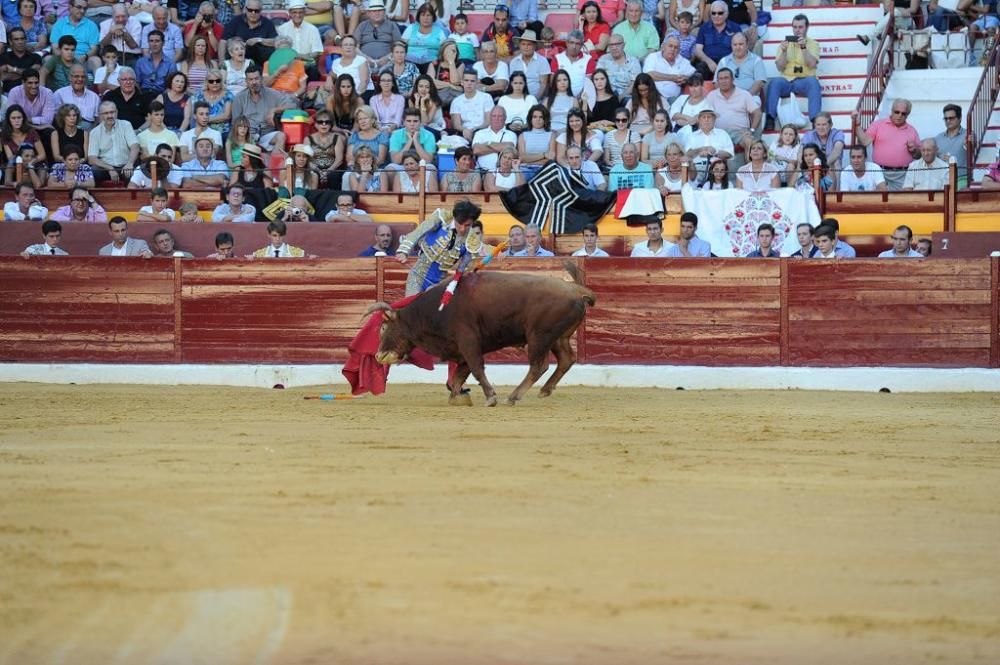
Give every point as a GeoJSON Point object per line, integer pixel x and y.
{"type": "Point", "coordinates": [875, 83]}
{"type": "Point", "coordinates": [977, 118]}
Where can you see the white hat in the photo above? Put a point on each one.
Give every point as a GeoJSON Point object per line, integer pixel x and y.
{"type": "Point", "coordinates": [376, 5]}
{"type": "Point", "coordinates": [296, 4]}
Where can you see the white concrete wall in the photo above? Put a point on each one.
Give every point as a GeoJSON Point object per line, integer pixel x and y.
{"type": "Point", "coordinates": [610, 376]}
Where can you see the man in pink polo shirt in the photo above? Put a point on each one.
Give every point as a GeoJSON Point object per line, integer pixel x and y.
{"type": "Point", "coordinates": [895, 143]}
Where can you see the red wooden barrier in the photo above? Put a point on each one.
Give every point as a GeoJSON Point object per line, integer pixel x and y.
{"type": "Point", "coordinates": [86, 309]}
{"type": "Point", "coordinates": [684, 312]}
{"type": "Point", "coordinates": [267, 311]}
{"type": "Point", "coordinates": [943, 313]}
{"type": "Point", "coordinates": [898, 313]}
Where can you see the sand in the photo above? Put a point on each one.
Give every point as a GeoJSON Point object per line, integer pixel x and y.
{"type": "Point", "coordinates": [215, 525]}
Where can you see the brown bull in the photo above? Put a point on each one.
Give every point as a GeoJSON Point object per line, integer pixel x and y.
{"type": "Point", "coordinates": [490, 311]}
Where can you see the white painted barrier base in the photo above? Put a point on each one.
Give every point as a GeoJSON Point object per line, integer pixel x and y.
{"type": "Point", "coordinates": [611, 376]}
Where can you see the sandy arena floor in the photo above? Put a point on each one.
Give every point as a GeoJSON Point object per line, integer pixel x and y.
{"type": "Point", "coordinates": [177, 526]}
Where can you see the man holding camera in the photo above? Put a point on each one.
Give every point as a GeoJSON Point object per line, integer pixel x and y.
{"type": "Point", "coordinates": [797, 59]}
{"type": "Point", "coordinates": [204, 25]}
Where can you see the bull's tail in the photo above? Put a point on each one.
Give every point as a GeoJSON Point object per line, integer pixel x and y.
{"type": "Point", "coordinates": [574, 272]}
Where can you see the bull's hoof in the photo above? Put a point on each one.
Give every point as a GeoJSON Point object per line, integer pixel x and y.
{"type": "Point", "coordinates": [545, 392]}
{"type": "Point", "coordinates": [491, 400]}
{"type": "Point", "coordinates": [463, 399]}
{"type": "Point", "coordinates": [511, 401]}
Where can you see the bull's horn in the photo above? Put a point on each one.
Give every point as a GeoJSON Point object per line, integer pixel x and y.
{"type": "Point", "coordinates": [377, 307]}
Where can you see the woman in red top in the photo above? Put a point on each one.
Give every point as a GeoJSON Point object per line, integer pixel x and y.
{"type": "Point", "coordinates": [612, 11]}
{"type": "Point", "coordinates": [596, 32]}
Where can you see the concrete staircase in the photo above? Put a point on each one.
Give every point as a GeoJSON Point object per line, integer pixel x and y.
{"type": "Point", "coordinates": [843, 64]}
{"type": "Point", "coordinates": [988, 150]}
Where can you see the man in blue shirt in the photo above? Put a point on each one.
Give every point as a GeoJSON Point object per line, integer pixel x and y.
{"type": "Point", "coordinates": [151, 70]}
{"type": "Point", "coordinates": [689, 244]}
{"type": "Point", "coordinates": [81, 28]}
{"type": "Point", "coordinates": [714, 40]}
{"type": "Point", "coordinates": [630, 173]}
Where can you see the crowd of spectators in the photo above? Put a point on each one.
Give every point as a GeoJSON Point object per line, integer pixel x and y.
{"type": "Point", "coordinates": [638, 95]}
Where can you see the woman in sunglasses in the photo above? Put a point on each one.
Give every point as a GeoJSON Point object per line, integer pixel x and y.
{"type": "Point", "coordinates": [219, 100]}
{"type": "Point", "coordinates": [623, 133]}
{"type": "Point", "coordinates": [328, 150]}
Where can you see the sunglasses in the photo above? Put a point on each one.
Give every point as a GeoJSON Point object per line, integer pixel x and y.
{"type": "Point", "coordinates": [210, 80]}
{"type": "Point", "coordinates": [621, 119]}
{"type": "Point", "coordinates": [718, 13]}
{"type": "Point", "coordinates": [323, 122]}
{"type": "Point", "coordinates": [248, 10]}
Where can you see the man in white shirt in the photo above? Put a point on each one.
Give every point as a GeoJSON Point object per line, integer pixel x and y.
{"type": "Point", "coordinates": [586, 170]}
{"type": "Point", "coordinates": [930, 172]}
{"type": "Point", "coordinates": [24, 206]}
{"type": "Point", "coordinates": [655, 245]}
{"type": "Point", "coordinates": [52, 235]}
{"type": "Point", "coordinates": [590, 247]}
{"type": "Point", "coordinates": [304, 36]}
{"type": "Point", "coordinates": [470, 110]}
{"type": "Point", "coordinates": [573, 61]}
{"type": "Point", "coordinates": [863, 176]}
{"type": "Point", "coordinates": [669, 69]}
{"type": "Point", "coordinates": [738, 111]}
{"type": "Point", "coordinates": [234, 210]}
{"type": "Point", "coordinates": [533, 243]}
{"type": "Point", "coordinates": [200, 128]}
{"type": "Point", "coordinates": [536, 68]}
{"type": "Point", "coordinates": [204, 170]}
{"type": "Point", "coordinates": [124, 32]}
{"type": "Point", "coordinates": [490, 141]}
{"type": "Point", "coordinates": [707, 141]}
{"type": "Point", "coordinates": [901, 248]}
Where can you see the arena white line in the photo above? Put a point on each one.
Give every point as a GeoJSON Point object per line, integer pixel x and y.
{"type": "Point", "coordinates": [609, 376]}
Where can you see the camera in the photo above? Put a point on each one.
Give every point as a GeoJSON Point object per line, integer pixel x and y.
{"type": "Point", "coordinates": [295, 212]}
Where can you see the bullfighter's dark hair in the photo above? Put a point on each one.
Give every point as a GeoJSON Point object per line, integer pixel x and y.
{"type": "Point", "coordinates": [224, 237]}
{"type": "Point", "coordinates": [51, 226]}
{"type": "Point", "coordinates": [591, 227]}
{"type": "Point", "coordinates": [277, 225]}
{"type": "Point", "coordinates": [466, 210]}
{"type": "Point", "coordinates": [690, 217]}
{"type": "Point", "coordinates": [765, 227]}
{"type": "Point", "coordinates": [832, 223]}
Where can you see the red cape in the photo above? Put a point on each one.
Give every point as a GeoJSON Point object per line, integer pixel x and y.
{"type": "Point", "coordinates": [362, 371]}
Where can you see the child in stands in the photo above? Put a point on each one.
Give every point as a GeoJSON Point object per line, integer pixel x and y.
{"type": "Point", "coordinates": [189, 212]}
{"type": "Point", "coordinates": [786, 151]}
{"type": "Point", "coordinates": [157, 211]}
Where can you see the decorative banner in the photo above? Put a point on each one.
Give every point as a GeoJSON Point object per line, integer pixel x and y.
{"type": "Point", "coordinates": [728, 218]}
{"type": "Point", "coordinates": [572, 201]}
